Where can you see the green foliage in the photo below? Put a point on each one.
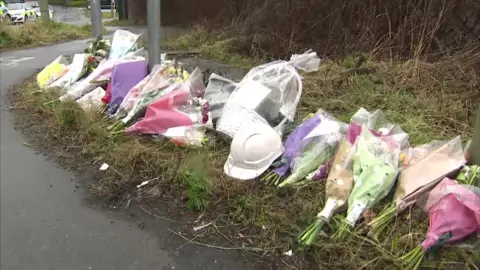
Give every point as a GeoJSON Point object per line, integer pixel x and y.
{"type": "Point", "coordinates": [73, 3]}
{"type": "Point", "coordinates": [198, 189]}
{"type": "Point", "coordinates": [68, 113]}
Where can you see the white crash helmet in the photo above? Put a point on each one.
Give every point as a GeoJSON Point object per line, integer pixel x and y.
{"type": "Point", "coordinates": [253, 150]}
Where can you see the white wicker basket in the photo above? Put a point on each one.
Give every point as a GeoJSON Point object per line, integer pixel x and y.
{"type": "Point", "coordinates": [236, 117]}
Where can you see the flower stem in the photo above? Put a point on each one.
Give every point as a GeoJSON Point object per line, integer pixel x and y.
{"type": "Point", "coordinates": [342, 231]}
{"type": "Point", "coordinates": [310, 235]}
{"type": "Point", "coordinates": [380, 223]}
{"type": "Point", "coordinates": [52, 103]}
{"type": "Point", "coordinates": [412, 259]}
{"type": "Point", "coordinates": [271, 178]}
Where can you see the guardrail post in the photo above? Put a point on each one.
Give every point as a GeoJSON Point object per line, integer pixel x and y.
{"type": "Point", "coordinates": [44, 10]}
{"type": "Point", "coordinates": [96, 17]}
{"type": "Point", "coordinates": [153, 29]}
{"type": "Point", "coordinates": [474, 147]}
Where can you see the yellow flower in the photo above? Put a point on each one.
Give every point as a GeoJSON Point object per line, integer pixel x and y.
{"type": "Point", "coordinates": [308, 116]}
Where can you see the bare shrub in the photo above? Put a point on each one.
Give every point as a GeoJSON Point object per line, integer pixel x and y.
{"type": "Point", "coordinates": [406, 28]}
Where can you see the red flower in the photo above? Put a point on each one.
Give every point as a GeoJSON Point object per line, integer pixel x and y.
{"type": "Point", "coordinates": [205, 111]}
{"type": "Point", "coordinates": [178, 142]}
{"type": "Point", "coordinates": [108, 94]}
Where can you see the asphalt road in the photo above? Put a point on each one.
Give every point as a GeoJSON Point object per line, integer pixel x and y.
{"type": "Point", "coordinates": [70, 15]}
{"type": "Point", "coordinates": [45, 223]}
{"type": "Point", "coordinates": [74, 16]}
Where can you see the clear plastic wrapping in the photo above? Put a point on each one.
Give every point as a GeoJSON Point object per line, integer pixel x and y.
{"type": "Point", "coordinates": [268, 93]}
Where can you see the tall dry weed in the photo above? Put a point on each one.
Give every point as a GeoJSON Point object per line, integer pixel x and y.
{"type": "Point", "coordinates": [399, 28]}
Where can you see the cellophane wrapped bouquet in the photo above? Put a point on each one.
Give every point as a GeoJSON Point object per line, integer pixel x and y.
{"type": "Point", "coordinates": [428, 165]}
{"type": "Point", "coordinates": [315, 149]}
{"type": "Point", "coordinates": [340, 176]}
{"type": "Point", "coordinates": [375, 168]}
{"type": "Point", "coordinates": [162, 81]}
{"type": "Point", "coordinates": [454, 214]}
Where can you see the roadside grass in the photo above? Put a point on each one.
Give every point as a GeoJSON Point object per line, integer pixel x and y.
{"type": "Point", "coordinates": [105, 14]}
{"type": "Point", "coordinates": [429, 100]}
{"type": "Point", "coordinates": [39, 33]}
{"type": "Point", "coordinates": [214, 46]}
{"type": "Point", "coordinates": [73, 3]}
{"type": "Point", "coordinates": [117, 22]}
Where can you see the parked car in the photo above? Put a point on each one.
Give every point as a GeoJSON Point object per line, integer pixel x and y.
{"type": "Point", "coordinates": [39, 13]}
{"type": "Point", "coordinates": [20, 13]}
{"type": "Point", "coordinates": [104, 4]}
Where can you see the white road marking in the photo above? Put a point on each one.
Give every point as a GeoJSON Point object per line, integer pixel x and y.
{"type": "Point", "coordinates": [13, 61]}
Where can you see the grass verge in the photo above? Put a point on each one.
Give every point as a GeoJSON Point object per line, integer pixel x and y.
{"type": "Point", "coordinates": [39, 33]}
{"type": "Point", "coordinates": [117, 22]}
{"type": "Point", "coordinates": [73, 3]}
{"type": "Point", "coordinates": [105, 14]}
{"type": "Point", "coordinates": [429, 100]}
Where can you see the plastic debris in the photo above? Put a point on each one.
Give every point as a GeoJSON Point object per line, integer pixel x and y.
{"type": "Point", "coordinates": [104, 167]}
{"type": "Point", "coordinates": [203, 226]}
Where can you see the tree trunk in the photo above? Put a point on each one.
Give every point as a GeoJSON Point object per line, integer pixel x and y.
{"type": "Point", "coordinates": [474, 151]}
{"type": "Point", "coordinates": [137, 11]}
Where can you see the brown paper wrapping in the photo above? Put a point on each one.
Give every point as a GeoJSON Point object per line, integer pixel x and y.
{"type": "Point", "coordinates": [340, 179]}
{"type": "Point", "coordinates": [424, 173]}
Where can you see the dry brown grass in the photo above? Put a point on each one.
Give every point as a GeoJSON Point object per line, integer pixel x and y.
{"type": "Point", "coordinates": [405, 28]}
{"type": "Point", "coordinates": [399, 28]}
{"type": "Point", "coordinates": [38, 33]}
{"type": "Point", "coordinates": [429, 100]}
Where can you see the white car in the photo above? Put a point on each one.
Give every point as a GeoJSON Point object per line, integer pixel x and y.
{"type": "Point", "coordinates": [39, 13]}
{"type": "Point", "coordinates": [20, 13]}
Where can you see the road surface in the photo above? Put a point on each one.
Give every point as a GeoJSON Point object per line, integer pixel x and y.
{"type": "Point", "coordinates": [75, 16]}
{"type": "Point", "coordinates": [70, 15]}
{"type": "Point", "coordinates": [46, 225]}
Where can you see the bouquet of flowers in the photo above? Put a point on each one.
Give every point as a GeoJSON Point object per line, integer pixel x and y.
{"type": "Point", "coordinates": [375, 168]}
{"type": "Point", "coordinates": [339, 184]}
{"type": "Point", "coordinates": [428, 165]}
{"type": "Point", "coordinates": [52, 72]}
{"type": "Point", "coordinates": [177, 109]}
{"type": "Point", "coordinates": [292, 146]}
{"type": "Point", "coordinates": [75, 71]}
{"type": "Point", "coordinates": [340, 176]}
{"type": "Point", "coordinates": [454, 214]}
{"type": "Point", "coordinates": [316, 148]}
{"type": "Point", "coordinates": [155, 77]}
{"type": "Point", "coordinates": [161, 82]}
